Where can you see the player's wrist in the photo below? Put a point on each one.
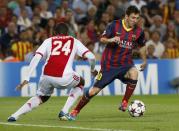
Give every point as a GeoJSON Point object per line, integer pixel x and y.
{"type": "Point", "coordinates": [111, 40]}
{"type": "Point", "coordinates": [94, 72]}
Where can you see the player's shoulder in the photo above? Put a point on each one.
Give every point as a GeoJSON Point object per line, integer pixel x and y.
{"type": "Point", "coordinates": [117, 21]}
{"type": "Point", "coordinates": [76, 41]}
{"type": "Point", "coordinates": [47, 40]}
{"type": "Point", "coordinates": [138, 28]}
{"type": "Point", "coordinates": [114, 22]}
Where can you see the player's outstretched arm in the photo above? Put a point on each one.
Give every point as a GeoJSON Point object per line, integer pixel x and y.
{"type": "Point", "coordinates": [33, 64]}
{"type": "Point", "coordinates": [143, 57]}
{"type": "Point", "coordinates": [86, 54]}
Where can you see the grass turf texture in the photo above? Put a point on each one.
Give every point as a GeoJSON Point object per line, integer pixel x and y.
{"type": "Point", "coordinates": [162, 114]}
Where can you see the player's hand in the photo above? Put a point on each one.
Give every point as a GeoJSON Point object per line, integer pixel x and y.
{"type": "Point", "coordinates": [115, 39]}
{"type": "Point", "coordinates": [20, 86]}
{"type": "Point", "coordinates": [143, 66]}
{"type": "Point", "coordinates": [94, 73]}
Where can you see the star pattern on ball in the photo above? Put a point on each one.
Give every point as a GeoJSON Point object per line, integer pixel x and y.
{"type": "Point", "coordinates": [139, 105]}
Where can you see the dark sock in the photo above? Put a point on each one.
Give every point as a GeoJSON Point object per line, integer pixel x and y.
{"type": "Point", "coordinates": [129, 91]}
{"type": "Point", "coordinates": [83, 101]}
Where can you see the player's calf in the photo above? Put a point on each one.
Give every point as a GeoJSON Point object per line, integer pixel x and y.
{"type": "Point", "coordinates": [131, 84]}
{"type": "Point", "coordinates": [84, 100]}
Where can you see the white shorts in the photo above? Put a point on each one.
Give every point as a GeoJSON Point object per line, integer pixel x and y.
{"type": "Point", "coordinates": [48, 83]}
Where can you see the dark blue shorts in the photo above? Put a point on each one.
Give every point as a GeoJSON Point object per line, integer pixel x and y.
{"type": "Point", "coordinates": [106, 77]}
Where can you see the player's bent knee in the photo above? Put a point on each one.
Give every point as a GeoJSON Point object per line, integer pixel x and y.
{"type": "Point", "coordinates": [44, 98]}
{"type": "Point", "coordinates": [133, 70]}
{"type": "Point", "coordinates": [133, 74]}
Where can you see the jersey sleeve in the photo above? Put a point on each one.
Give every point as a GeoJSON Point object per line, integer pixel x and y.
{"type": "Point", "coordinates": [81, 49]}
{"type": "Point", "coordinates": [108, 32]}
{"type": "Point", "coordinates": [141, 40]}
{"type": "Point", "coordinates": [42, 50]}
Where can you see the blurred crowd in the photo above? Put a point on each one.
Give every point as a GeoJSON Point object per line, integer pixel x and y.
{"type": "Point", "coordinates": [25, 24]}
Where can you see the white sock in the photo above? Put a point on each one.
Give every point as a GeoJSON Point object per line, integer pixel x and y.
{"type": "Point", "coordinates": [72, 98]}
{"type": "Point", "coordinates": [28, 106]}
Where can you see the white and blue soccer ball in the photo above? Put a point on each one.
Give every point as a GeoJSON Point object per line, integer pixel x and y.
{"type": "Point", "coordinates": [136, 108]}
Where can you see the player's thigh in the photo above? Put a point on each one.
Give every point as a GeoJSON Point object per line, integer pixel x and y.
{"type": "Point", "coordinates": [105, 78]}
{"type": "Point", "coordinates": [76, 80]}
{"type": "Point", "coordinates": [45, 87]}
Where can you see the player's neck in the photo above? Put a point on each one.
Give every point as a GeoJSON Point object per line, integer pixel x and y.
{"type": "Point", "coordinates": [127, 24]}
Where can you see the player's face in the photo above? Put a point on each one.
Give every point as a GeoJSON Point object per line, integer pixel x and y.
{"type": "Point", "coordinates": [132, 19]}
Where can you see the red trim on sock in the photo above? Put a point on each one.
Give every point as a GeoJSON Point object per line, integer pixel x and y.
{"type": "Point", "coordinates": [129, 91]}
{"type": "Point", "coordinates": [83, 101]}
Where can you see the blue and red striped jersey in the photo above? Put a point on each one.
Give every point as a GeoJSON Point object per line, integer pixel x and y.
{"type": "Point", "coordinates": [120, 54]}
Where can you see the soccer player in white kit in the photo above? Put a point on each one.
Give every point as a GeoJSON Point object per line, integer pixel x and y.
{"type": "Point", "coordinates": [60, 51]}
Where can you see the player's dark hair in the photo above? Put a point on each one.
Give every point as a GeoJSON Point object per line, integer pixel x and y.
{"type": "Point", "coordinates": [132, 9]}
{"type": "Point", "coordinates": [61, 29]}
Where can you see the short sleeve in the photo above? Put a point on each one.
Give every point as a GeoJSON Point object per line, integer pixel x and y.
{"type": "Point", "coordinates": [42, 50]}
{"type": "Point", "coordinates": [81, 49]}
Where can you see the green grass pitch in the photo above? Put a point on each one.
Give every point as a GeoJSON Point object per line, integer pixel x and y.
{"type": "Point", "coordinates": [101, 114]}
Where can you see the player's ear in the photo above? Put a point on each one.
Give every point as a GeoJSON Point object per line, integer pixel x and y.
{"type": "Point", "coordinates": [126, 16]}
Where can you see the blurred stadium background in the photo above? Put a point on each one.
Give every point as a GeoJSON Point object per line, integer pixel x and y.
{"type": "Point", "coordinates": [24, 24]}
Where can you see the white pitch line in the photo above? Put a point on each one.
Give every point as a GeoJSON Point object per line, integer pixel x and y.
{"type": "Point", "coordinates": [65, 127]}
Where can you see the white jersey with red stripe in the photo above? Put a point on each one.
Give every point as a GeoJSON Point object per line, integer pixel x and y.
{"type": "Point", "coordinates": [60, 52]}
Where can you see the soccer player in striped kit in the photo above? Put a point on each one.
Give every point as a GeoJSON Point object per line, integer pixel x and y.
{"type": "Point", "coordinates": [60, 51]}
{"type": "Point", "coordinates": [120, 37]}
